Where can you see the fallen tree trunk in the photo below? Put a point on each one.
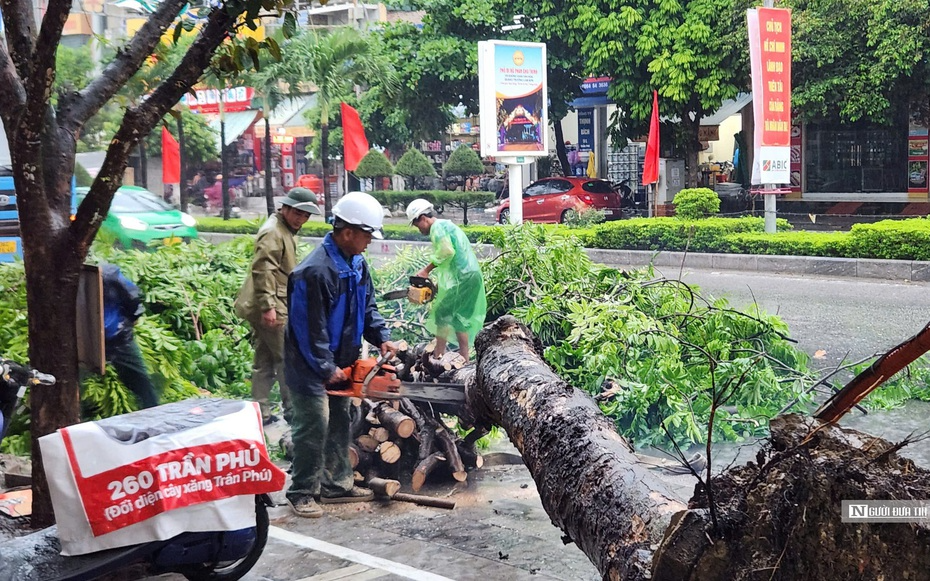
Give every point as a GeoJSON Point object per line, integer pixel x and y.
{"type": "Point", "coordinates": [586, 473]}
{"type": "Point", "coordinates": [777, 518]}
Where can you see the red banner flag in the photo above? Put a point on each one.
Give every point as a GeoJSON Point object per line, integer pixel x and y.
{"type": "Point", "coordinates": [651, 167]}
{"type": "Point", "coordinates": [170, 158]}
{"type": "Point", "coordinates": [353, 138]}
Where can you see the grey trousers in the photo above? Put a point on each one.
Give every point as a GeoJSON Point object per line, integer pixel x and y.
{"type": "Point", "coordinates": [320, 433]}
{"type": "Point", "coordinates": [268, 367]}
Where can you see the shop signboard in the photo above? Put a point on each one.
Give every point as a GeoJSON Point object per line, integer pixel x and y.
{"type": "Point", "coordinates": [586, 130]}
{"type": "Point", "coordinates": [513, 99]}
{"type": "Point", "coordinates": [770, 62]}
{"type": "Point", "coordinates": [208, 100]}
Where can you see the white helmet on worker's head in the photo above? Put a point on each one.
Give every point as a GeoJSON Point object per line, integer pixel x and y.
{"type": "Point", "coordinates": [417, 208]}
{"type": "Point", "coordinates": [362, 210]}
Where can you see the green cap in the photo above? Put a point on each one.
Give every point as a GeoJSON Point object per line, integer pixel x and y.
{"type": "Point", "coordinates": [302, 199]}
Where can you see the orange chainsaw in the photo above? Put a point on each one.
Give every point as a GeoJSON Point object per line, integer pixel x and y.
{"type": "Point", "coordinates": [377, 380]}
{"type": "Point", "coordinates": [421, 290]}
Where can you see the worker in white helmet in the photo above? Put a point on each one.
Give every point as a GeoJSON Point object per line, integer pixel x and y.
{"type": "Point", "coordinates": [460, 306]}
{"type": "Point", "coordinates": [332, 307]}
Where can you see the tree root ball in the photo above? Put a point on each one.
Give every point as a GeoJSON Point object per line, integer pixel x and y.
{"type": "Point", "coordinates": [781, 516]}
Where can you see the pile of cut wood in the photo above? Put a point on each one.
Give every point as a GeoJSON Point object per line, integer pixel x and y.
{"type": "Point", "coordinates": [411, 442]}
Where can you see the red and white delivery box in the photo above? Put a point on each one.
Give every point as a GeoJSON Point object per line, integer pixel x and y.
{"type": "Point", "coordinates": [150, 475]}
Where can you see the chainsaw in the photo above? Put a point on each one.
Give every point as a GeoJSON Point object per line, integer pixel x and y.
{"type": "Point", "coordinates": [376, 379]}
{"type": "Point", "coordinates": [421, 290]}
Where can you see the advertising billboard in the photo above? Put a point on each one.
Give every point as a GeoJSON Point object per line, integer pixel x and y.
{"type": "Point", "coordinates": [770, 62]}
{"type": "Point", "coordinates": [513, 99]}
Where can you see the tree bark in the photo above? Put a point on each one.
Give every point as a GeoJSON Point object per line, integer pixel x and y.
{"type": "Point", "coordinates": [560, 148]}
{"type": "Point", "coordinates": [324, 155]}
{"type": "Point", "coordinates": [587, 475]}
{"type": "Point", "coordinates": [269, 192]}
{"type": "Point", "coordinates": [42, 145]}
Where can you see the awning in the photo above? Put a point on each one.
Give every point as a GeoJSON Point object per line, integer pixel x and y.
{"type": "Point", "coordinates": [289, 117]}
{"type": "Point", "coordinates": [594, 101]}
{"type": "Point", "coordinates": [727, 109]}
{"type": "Point", "coordinates": [236, 124]}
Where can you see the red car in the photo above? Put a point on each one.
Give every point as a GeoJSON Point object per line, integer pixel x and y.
{"type": "Point", "coordinates": [553, 200]}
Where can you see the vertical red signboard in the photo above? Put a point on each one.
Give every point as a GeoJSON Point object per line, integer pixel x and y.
{"type": "Point", "coordinates": [770, 60]}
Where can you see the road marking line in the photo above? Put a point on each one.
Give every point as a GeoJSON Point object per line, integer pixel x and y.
{"type": "Point", "coordinates": [355, 572]}
{"type": "Point", "coordinates": [359, 557]}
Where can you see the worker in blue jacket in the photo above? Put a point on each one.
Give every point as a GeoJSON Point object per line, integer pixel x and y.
{"type": "Point", "coordinates": [122, 306]}
{"type": "Point", "coordinates": [331, 305]}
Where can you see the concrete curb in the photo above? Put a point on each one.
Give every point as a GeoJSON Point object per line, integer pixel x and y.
{"type": "Point", "coordinates": [867, 268]}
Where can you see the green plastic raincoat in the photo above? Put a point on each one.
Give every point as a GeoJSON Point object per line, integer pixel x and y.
{"type": "Point", "coordinates": [460, 305]}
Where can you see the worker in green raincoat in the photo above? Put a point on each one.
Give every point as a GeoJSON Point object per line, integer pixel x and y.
{"type": "Point", "coordinates": [460, 305]}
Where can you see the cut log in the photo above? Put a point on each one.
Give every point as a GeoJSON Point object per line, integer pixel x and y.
{"type": "Point", "coordinates": [384, 487]}
{"type": "Point", "coordinates": [380, 433]}
{"type": "Point", "coordinates": [585, 472]}
{"type": "Point", "coordinates": [389, 452]}
{"type": "Point", "coordinates": [446, 443]}
{"type": "Point", "coordinates": [424, 500]}
{"type": "Point", "coordinates": [367, 443]}
{"type": "Point", "coordinates": [353, 456]}
{"type": "Point", "coordinates": [395, 421]}
{"type": "Point", "coordinates": [426, 429]}
{"type": "Point", "coordinates": [424, 468]}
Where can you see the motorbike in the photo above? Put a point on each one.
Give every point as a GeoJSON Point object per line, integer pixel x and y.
{"type": "Point", "coordinates": [199, 556]}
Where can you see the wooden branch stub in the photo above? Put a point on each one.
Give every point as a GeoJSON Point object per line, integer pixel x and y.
{"type": "Point", "coordinates": [384, 487]}
{"type": "Point", "coordinates": [395, 421]}
{"type": "Point", "coordinates": [421, 472]}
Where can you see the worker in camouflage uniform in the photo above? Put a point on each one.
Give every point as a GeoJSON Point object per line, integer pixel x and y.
{"type": "Point", "coordinates": [262, 300]}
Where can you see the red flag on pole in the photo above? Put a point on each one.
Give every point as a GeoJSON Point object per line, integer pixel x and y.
{"type": "Point", "coordinates": [354, 141]}
{"type": "Point", "coordinates": [170, 158]}
{"type": "Point", "coordinates": [651, 167]}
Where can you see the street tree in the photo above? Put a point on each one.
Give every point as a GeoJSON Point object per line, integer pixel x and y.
{"type": "Point", "coordinates": [860, 60]}
{"type": "Point", "coordinates": [412, 165]}
{"type": "Point", "coordinates": [374, 165]}
{"type": "Point", "coordinates": [689, 51]}
{"type": "Point", "coordinates": [42, 138]}
{"type": "Point", "coordinates": [334, 63]}
{"type": "Point", "coordinates": [266, 81]}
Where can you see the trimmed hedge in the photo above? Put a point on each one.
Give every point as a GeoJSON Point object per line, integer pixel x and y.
{"type": "Point", "coordinates": [706, 235]}
{"type": "Point", "coordinates": [893, 239]}
{"type": "Point", "coordinates": [889, 239]}
{"type": "Point", "coordinates": [829, 244]}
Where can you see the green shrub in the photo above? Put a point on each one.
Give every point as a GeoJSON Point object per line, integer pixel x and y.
{"type": "Point", "coordinates": [374, 165]}
{"type": "Point", "coordinates": [893, 239]}
{"type": "Point", "coordinates": [832, 244]}
{"type": "Point", "coordinates": [585, 218]}
{"type": "Point", "coordinates": [672, 233]}
{"type": "Point", "coordinates": [413, 164]}
{"type": "Point", "coordinates": [696, 203]}
{"type": "Point", "coordinates": [464, 162]}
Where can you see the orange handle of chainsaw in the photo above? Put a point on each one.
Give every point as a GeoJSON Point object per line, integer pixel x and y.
{"type": "Point", "coordinates": [384, 382]}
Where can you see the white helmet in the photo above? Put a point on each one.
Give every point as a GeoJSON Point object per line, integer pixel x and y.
{"type": "Point", "coordinates": [362, 210]}
{"type": "Point", "coordinates": [417, 208]}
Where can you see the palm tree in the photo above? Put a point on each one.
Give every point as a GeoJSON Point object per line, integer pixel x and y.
{"type": "Point", "coordinates": [334, 63]}
{"type": "Point", "coordinates": [267, 83]}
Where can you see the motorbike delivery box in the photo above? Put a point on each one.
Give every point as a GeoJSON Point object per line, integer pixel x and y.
{"type": "Point", "coordinates": [189, 466]}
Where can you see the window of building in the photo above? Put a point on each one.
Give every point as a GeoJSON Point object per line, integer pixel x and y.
{"type": "Point", "coordinates": [855, 158]}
